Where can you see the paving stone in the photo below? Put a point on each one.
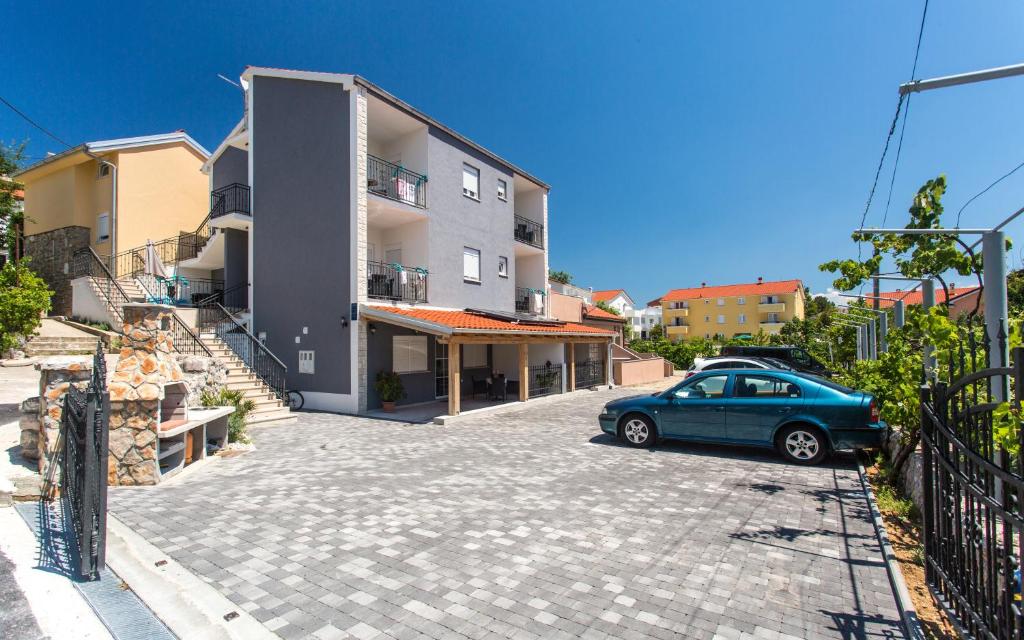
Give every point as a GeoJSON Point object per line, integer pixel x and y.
{"type": "Point", "coordinates": [530, 524]}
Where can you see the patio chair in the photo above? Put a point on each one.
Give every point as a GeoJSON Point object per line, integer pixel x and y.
{"type": "Point", "coordinates": [480, 385]}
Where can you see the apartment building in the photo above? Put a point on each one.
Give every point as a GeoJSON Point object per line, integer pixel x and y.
{"type": "Point", "coordinates": [376, 239]}
{"type": "Point", "coordinates": [731, 310]}
{"type": "Point", "coordinates": [110, 196]}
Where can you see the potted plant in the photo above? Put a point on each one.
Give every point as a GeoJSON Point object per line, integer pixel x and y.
{"type": "Point", "coordinates": [389, 388]}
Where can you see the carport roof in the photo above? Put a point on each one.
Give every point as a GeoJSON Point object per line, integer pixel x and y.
{"type": "Point", "coordinates": [457, 321]}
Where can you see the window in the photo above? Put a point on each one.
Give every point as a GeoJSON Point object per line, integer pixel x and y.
{"type": "Point", "coordinates": [474, 356]}
{"type": "Point", "coordinates": [471, 264]}
{"type": "Point", "coordinates": [709, 387]}
{"type": "Point", "coordinates": [764, 387]}
{"type": "Point", "coordinates": [470, 182]}
{"type": "Point", "coordinates": [741, 300]}
{"type": "Point", "coordinates": [502, 190]}
{"type": "Point", "coordinates": [721, 302]}
{"type": "Point", "coordinates": [706, 318]}
{"type": "Point", "coordinates": [102, 170]}
{"type": "Point", "coordinates": [721, 319]}
{"type": "Point", "coordinates": [743, 318]}
{"type": "Point", "coordinates": [503, 266]}
{"type": "Point", "coordinates": [409, 354]}
{"type": "Point", "coordinates": [103, 227]}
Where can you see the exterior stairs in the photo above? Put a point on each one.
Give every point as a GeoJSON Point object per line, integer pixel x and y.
{"type": "Point", "coordinates": [60, 346]}
{"type": "Point", "coordinates": [269, 408]}
{"type": "Point", "coordinates": [132, 288]}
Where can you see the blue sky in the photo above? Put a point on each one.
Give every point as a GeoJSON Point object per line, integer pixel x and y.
{"type": "Point", "coordinates": [684, 142]}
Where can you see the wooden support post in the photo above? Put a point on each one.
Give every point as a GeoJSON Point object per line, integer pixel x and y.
{"type": "Point", "coordinates": [524, 372]}
{"type": "Point", "coordinates": [572, 367]}
{"type": "Point", "coordinates": [454, 378]}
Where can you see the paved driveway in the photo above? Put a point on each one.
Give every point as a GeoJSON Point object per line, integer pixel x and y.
{"type": "Point", "coordinates": [523, 525]}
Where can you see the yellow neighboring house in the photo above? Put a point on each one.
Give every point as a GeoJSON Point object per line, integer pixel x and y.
{"type": "Point", "coordinates": [160, 190]}
{"type": "Point", "coordinates": [72, 203]}
{"type": "Point", "coordinates": [731, 310]}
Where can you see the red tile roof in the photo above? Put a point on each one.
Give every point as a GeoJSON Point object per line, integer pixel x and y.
{"type": "Point", "coordinates": [607, 294]}
{"type": "Point", "coordinates": [598, 313]}
{"type": "Point", "coordinates": [457, 320]}
{"type": "Point", "coordinates": [916, 296]}
{"type": "Point", "coordinates": [729, 290]}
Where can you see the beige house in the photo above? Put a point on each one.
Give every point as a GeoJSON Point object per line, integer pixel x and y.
{"type": "Point", "coordinates": [111, 196]}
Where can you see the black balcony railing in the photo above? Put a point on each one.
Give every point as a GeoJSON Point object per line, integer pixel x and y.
{"type": "Point", "coordinates": [529, 301]}
{"type": "Point", "coordinates": [85, 263]}
{"type": "Point", "coordinates": [396, 282]}
{"type": "Point", "coordinates": [233, 198]}
{"type": "Point", "coordinates": [215, 318]}
{"type": "Point", "coordinates": [234, 299]}
{"type": "Point", "coordinates": [529, 232]}
{"type": "Point", "coordinates": [395, 182]}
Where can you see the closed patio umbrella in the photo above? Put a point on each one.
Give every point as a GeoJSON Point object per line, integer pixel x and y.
{"type": "Point", "coordinates": [154, 266]}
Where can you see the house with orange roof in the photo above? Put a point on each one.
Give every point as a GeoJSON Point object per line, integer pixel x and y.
{"type": "Point", "coordinates": [962, 299]}
{"type": "Point", "coordinates": [732, 310]}
{"type": "Point", "coordinates": [380, 241]}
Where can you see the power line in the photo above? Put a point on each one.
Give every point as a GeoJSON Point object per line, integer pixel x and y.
{"type": "Point", "coordinates": [33, 122]}
{"type": "Point", "coordinates": [982, 192]}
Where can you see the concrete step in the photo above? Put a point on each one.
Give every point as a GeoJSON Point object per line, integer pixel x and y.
{"type": "Point", "coordinates": [36, 351]}
{"type": "Point", "coordinates": [49, 341]}
{"type": "Point", "coordinates": [271, 416]}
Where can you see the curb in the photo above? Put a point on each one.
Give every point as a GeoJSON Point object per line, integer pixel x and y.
{"type": "Point", "coordinates": [911, 624]}
{"type": "Point", "coordinates": [190, 607]}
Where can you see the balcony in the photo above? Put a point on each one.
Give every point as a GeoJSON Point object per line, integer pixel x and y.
{"type": "Point", "coordinates": [771, 307]}
{"type": "Point", "coordinates": [772, 326]}
{"type": "Point", "coordinates": [233, 198]}
{"type": "Point", "coordinates": [529, 232]}
{"type": "Point", "coordinates": [395, 282]}
{"type": "Point", "coordinates": [394, 182]}
{"type": "Point", "coordinates": [529, 301]}
{"type": "Point", "coordinates": [683, 312]}
{"type": "Point", "coordinates": [677, 329]}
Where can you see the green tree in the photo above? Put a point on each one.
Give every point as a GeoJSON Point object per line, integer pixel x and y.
{"type": "Point", "coordinates": [563, 277]}
{"type": "Point", "coordinates": [604, 306]}
{"type": "Point", "coordinates": [1015, 291]}
{"type": "Point", "coordinates": [24, 297]}
{"type": "Point", "coordinates": [657, 332]}
{"type": "Point", "coordinates": [11, 217]}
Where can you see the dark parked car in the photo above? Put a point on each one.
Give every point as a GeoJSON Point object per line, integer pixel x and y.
{"type": "Point", "coordinates": [804, 417]}
{"type": "Point", "coordinates": [795, 357]}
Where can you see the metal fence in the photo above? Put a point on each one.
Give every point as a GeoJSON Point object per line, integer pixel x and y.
{"type": "Point", "coordinates": [974, 485]}
{"type": "Point", "coordinates": [395, 182]}
{"type": "Point", "coordinates": [589, 373]}
{"type": "Point", "coordinates": [530, 301]}
{"type": "Point", "coordinates": [529, 232]}
{"type": "Point", "coordinates": [396, 282]}
{"type": "Point", "coordinates": [82, 460]}
{"type": "Point", "coordinates": [234, 198]}
{"type": "Point", "coordinates": [85, 263]}
{"type": "Point", "coordinates": [545, 380]}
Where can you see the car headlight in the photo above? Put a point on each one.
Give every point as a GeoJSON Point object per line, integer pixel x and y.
{"type": "Point", "coordinates": [608, 411]}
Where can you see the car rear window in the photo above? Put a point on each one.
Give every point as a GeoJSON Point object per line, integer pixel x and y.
{"type": "Point", "coordinates": [828, 383]}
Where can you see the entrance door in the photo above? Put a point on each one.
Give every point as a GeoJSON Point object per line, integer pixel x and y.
{"type": "Point", "coordinates": [440, 370]}
{"type": "Point", "coordinates": [697, 410]}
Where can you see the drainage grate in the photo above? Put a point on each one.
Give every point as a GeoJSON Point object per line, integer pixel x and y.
{"type": "Point", "coordinates": [125, 616]}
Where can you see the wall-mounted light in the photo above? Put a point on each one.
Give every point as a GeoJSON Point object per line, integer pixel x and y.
{"type": "Point", "coordinates": [373, 329]}
{"type": "Point", "coordinates": [344, 322]}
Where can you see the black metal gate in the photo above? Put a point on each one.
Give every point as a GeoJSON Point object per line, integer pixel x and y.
{"type": "Point", "coordinates": [82, 460]}
{"type": "Point", "coordinates": [973, 516]}
{"type": "Point", "coordinates": [589, 373]}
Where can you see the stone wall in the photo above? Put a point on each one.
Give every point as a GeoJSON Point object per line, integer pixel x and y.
{"type": "Point", "coordinates": [912, 477]}
{"type": "Point", "coordinates": [29, 423]}
{"type": "Point", "coordinates": [51, 253]}
{"type": "Point", "coordinates": [202, 373]}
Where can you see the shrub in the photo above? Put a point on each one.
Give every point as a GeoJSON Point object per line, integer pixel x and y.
{"type": "Point", "coordinates": [238, 420]}
{"type": "Point", "coordinates": [24, 297]}
{"type": "Point", "coordinates": [389, 386]}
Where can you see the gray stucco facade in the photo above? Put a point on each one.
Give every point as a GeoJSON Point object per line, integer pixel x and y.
{"type": "Point", "coordinates": [236, 258]}
{"type": "Point", "coordinates": [457, 221]}
{"type": "Point", "coordinates": [231, 167]}
{"type": "Point", "coordinates": [301, 239]}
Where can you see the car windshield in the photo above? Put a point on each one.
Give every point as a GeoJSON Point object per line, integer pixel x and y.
{"type": "Point", "coordinates": [707, 387]}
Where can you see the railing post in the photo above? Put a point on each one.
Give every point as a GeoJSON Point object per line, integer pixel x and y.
{"type": "Point", "coordinates": [929, 489]}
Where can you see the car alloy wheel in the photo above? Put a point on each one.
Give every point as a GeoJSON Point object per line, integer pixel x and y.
{"type": "Point", "coordinates": [802, 445]}
{"type": "Point", "coordinates": [637, 432]}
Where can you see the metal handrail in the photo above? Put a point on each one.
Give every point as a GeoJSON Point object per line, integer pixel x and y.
{"type": "Point", "coordinates": [89, 270]}
{"type": "Point", "coordinates": [192, 344]}
{"type": "Point", "coordinates": [384, 281]}
{"type": "Point", "coordinates": [216, 316]}
{"type": "Point", "coordinates": [223, 296]}
{"type": "Point", "coordinates": [528, 231]}
{"type": "Point", "coordinates": [233, 198]}
{"type": "Point", "coordinates": [395, 182]}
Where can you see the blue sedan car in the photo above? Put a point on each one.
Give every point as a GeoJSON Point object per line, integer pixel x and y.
{"type": "Point", "coordinates": [804, 417]}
